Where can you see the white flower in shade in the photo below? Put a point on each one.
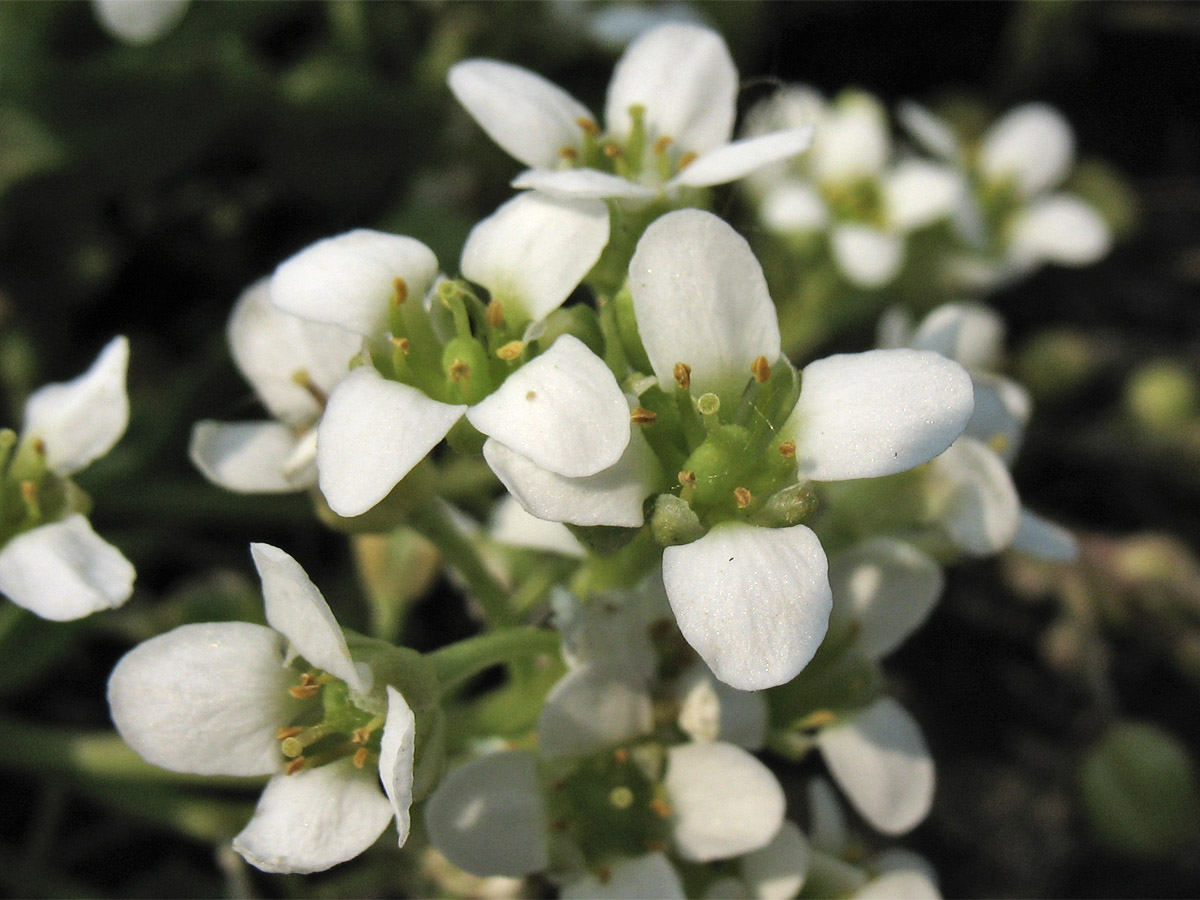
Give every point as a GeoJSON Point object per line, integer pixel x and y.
{"type": "Point", "coordinates": [227, 699]}
{"type": "Point", "coordinates": [753, 601]}
{"type": "Point", "coordinates": [52, 562]}
{"type": "Point", "coordinates": [983, 515]}
{"type": "Point", "coordinates": [669, 117]}
{"type": "Point", "coordinates": [564, 405]}
{"type": "Point", "coordinates": [139, 21]}
{"type": "Point", "coordinates": [849, 184]}
{"type": "Point", "coordinates": [293, 365]}
{"type": "Point", "coordinates": [642, 876]}
{"type": "Point", "coordinates": [1019, 162]}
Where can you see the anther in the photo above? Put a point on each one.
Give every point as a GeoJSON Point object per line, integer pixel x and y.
{"type": "Point", "coordinates": [459, 371]}
{"type": "Point", "coordinates": [683, 375]}
{"type": "Point", "coordinates": [588, 126]}
{"type": "Point", "coordinates": [511, 350]}
{"type": "Point", "coordinates": [612, 151]}
{"type": "Point", "coordinates": [568, 153]}
{"type": "Point", "coordinates": [787, 449]}
{"type": "Point", "coordinates": [304, 380]}
{"type": "Point", "coordinates": [295, 765]}
{"type": "Point", "coordinates": [643, 416]}
{"type": "Point", "coordinates": [687, 479]}
{"type": "Point", "coordinates": [401, 344]}
{"type": "Point", "coordinates": [29, 493]}
{"type": "Point", "coordinates": [661, 145]}
{"type": "Point", "coordinates": [621, 756]}
{"type": "Point", "coordinates": [742, 497]}
{"type": "Point", "coordinates": [304, 691]}
{"type": "Point", "coordinates": [495, 314]}
{"type": "Point", "coordinates": [400, 287]}
{"type": "Point", "coordinates": [39, 446]}
{"type": "Point", "coordinates": [360, 757]}
{"type": "Point", "coordinates": [761, 369]}
{"type": "Point", "coordinates": [287, 731]}
{"type": "Point", "coordinates": [686, 160]}
{"type": "Point", "coordinates": [660, 808]}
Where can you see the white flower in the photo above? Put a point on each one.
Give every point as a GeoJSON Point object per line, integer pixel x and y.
{"type": "Point", "coordinates": [222, 699]}
{"type": "Point", "coordinates": [53, 563]}
{"type": "Point", "coordinates": [139, 21]}
{"type": "Point", "coordinates": [849, 183]}
{"type": "Point", "coordinates": [293, 365]}
{"type": "Point", "coordinates": [530, 254]}
{"type": "Point", "coordinates": [669, 116]}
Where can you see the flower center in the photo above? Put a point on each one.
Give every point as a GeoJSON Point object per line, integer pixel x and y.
{"type": "Point", "coordinates": [636, 157]}
{"type": "Point", "coordinates": [30, 494]}
{"type": "Point", "coordinates": [329, 726]}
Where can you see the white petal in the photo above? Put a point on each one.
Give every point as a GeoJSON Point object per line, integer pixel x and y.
{"type": "Point", "coordinates": [582, 184]}
{"type": "Point", "coordinates": [868, 257]}
{"type": "Point", "coordinates": [64, 571]}
{"type": "Point", "coordinates": [685, 78]}
{"type": "Point", "coordinates": [983, 510]}
{"type": "Point", "coordinates": [296, 609]}
{"type": "Point", "coordinates": [396, 751]}
{"type": "Point", "coordinates": [918, 193]}
{"type": "Point", "coordinates": [205, 698]}
{"type": "Point", "coordinates": [512, 524]}
{"type": "Point", "coordinates": [863, 415]}
{"type": "Point", "coordinates": [888, 588]}
{"type": "Point", "coordinates": [777, 871]}
{"type": "Point", "coordinates": [81, 419]}
{"type": "Point", "coordinates": [793, 206]}
{"type": "Point", "coordinates": [246, 457]}
{"type": "Point", "coordinates": [611, 497]}
{"type": "Point", "coordinates": [486, 816]}
{"type": "Point", "coordinates": [880, 760]}
{"type": "Point", "coordinates": [372, 434]}
{"type": "Point", "coordinates": [724, 801]}
{"type": "Point", "coordinates": [531, 118]}
{"type": "Point", "coordinates": [700, 298]}
{"type": "Point", "coordinates": [711, 710]}
{"type": "Point", "coordinates": [1043, 539]}
{"type": "Point", "coordinates": [139, 21]}
{"type": "Point", "coordinates": [611, 628]}
{"type": "Point", "coordinates": [270, 347]}
{"type": "Point", "coordinates": [934, 135]}
{"type": "Point", "coordinates": [1060, 229]}
{"type": "Point", "coordinates": [894, 328]}
{"type": "Point", "coordinates": [852, 139]}
{"type": "Point", "coordinates": [1031, 144]}
{"type": "Point", "coordinates": [314, 819]}
{"type": "Point", "coordinates": [631, 879]}
{"type": "Point", "coordinates": [903, 885]}
{"type": "Point", "coordinates": [349, 280]}
{"type": "Point", "coordinates": [1002, 409]}
{"type": "Point", "coordinates": [968, 333]}
{"type": "Point", "coordinates": [826, 818]}
{"type": "Point", "coordinates": [733, 161]}
{"type": "Point", "coordinates": [753, 602]}
{"type": "Point", "coordinates": [563, 411]}
{"type": "Point", "coordinates": [593, 707]}
{"type": "Point", "coordinates": [534, 250]}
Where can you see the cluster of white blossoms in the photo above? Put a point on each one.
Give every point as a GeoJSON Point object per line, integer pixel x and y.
{"type": "Point", "coordinates": [736, 538]}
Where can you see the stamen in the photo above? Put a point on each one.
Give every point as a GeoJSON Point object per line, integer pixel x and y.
{"type": "Point", "coordinates": [304, 691]}
{"type": "Point", "coordinates": [687, 479]}
{"type": "Point", "coordinates": [511, 350]}
{"type": "Point", "coordinates": [295, 765]}
{"type": "Point", "coordinates": [612, 151]}
{"type": "Point", "coordinates": [787, 449]}
{"type": "Point", "coordinates": [643, 416]}
{"type": "Point", "coordinates": [683, 375]}
{"type": "Point", "coordinates": [998, 442]}
{"type": "Point", "coordinates": [588, 126]}
{"type": "Point", "coordinates": [761, 369]}
{"type": "Point", "coordinates": [287, 731]}
{"type": "Point", "coordinates": [401, 344]}
{"type": "Point", "coordinates": [660, 808]}
{"type": "Point", "coordinates": [360, 757]}
{"type": "Point", "coordinates": [495, 314]}
{"type": "Point", "coordinates": [570, 154]}
{"type": "Point", "coordinates": [661, 145]}
{"type": "Point", "coordinates": [39, 446]}
{"type": "Point", "coordinates": [742, 497]}
{"type": "Point", "coordinates": [686, 160]}
{"type": "Point", "coordinates": [400, 287]}
{"type": "Point", "coordinates": [459, 371]}
{"type": "Point", "coordinates": [621, 755]}
{"type": "Point", "coordinates": [304, 380]}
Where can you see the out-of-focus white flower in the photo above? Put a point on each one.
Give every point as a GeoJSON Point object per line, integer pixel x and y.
{"type": "Point", "coordinates": [669, 117]}
{"type": "Point", "coordinates": [222, 699]}
{"type": "Point", "coordinates": [52, 562]}
{"type": "Point", "coordinates": [139, 21]}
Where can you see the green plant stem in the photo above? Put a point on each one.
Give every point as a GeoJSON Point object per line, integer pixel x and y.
{"type": "Point", "coordinates": [458, 662]}
{"type": "Point", "coordinates": [431, 522]}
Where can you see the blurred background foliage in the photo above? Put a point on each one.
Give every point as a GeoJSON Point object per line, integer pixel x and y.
{"type": "Point", "coordinates": [143, 187]}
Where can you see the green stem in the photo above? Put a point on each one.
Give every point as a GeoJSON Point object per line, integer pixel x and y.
{"type": "Point", "coordinates": [431, 522]}
{"type": "Point", "coordinates": [458, 662]}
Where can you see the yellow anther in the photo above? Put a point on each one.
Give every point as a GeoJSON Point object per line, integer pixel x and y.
{"type": "Point", "coordinates": [511, 351]}
{"type": "Point", "coordinates": [400, 288]}
{"type": "Point", "coordinates": [661, 145]}
{"type": "Point", "coordinates": [787, 449]}
{"type": "Point", "coordinates": [761, 369]}
{"type": "Point", "coordinates": [495, 314]}
{"type": "Point", "coordinates": [294, 766]}
{"type": "Point", "coordinates": [683, 375]}
{"type": "Point", "coordinates": [401, 344]}
{"type": "Point", "coordinates": [621, 797]}
{"type": "Point", "coordinates": [588, 125]}
{"type": "Point", "coordinates": [687, 479]}
{"type": "Point", "coordinates": [660, 808]}
{"type": "Point", "coordinates": [643, 416]}
{"type": "Point", "coordinates": [360, 757]}
{"type": "Point", "coordinates": [29, 493]}
{"type": "Point", "coordinates": [39, 446]}
{"type": "Point", "coordinates": [361, 735]}
{"type": "Point", "coordinates": [998, 442]}
{"type": "Point", "coordinates": [304, 691]}
{"type": "Point", "coordinates": [621, 756]}
{"type": "Point", "coordinates": [459, 371]}
{"type": "Point", "coordinates": [287, 731]}
{"type": "Point", "coordinates": [686, 160]}
{"type": "Point", "coordinates": [818, 719]}
{"type": "Point", "coordinates": [570, 154]}
{"type": "Point", "coordinates": [612, 151]}
{"type": "Point", "coordinates": [742, 497]}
